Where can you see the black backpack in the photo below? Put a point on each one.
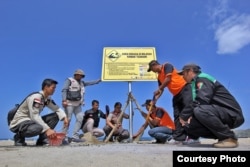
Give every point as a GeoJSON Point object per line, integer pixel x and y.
{"type": "Point", "coordinates": [13, 111]}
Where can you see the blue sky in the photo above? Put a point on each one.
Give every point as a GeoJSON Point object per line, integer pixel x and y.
{"type": "Point", "coordinates": [50, 39]}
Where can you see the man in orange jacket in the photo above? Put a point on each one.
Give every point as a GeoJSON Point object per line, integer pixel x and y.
{"type": "Point", "coordinates": [168, 77]}
{"type": "Point", "coordinates": [161, 122]}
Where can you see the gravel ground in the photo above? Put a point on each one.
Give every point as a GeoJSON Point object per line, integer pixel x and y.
{"type": "Point", "coordinates": [140, 154]}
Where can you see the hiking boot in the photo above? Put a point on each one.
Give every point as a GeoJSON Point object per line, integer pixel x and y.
{"type": "Point", "coordinates": [227, 143]}
{"type": "Point", "coordinates": [19, 141]}
{"type": "Point", "coordinates": [190, 141]}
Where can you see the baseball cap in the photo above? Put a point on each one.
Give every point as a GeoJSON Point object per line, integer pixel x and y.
{"type": "Point", "coordinates": [147, 102]}
{"type": "Point", "coordinates": [188, 67]}
{"type": "Point", "coordinates": [151, 64]}
{"type": "Point", "coordinates": [79, 72]}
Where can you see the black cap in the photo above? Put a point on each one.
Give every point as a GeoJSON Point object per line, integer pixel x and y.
{"type": "Point", "coordinates": [147, 102]}
{"type": "Point", "coordinates": [151, 64]}
{"type": "Point", "coordinates": [188, 67]}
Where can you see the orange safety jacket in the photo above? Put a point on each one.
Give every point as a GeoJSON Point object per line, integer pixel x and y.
{"type": "Point", "coordinates": [177, 81]}
{"type": "Point", "coordinates": [165, 120]}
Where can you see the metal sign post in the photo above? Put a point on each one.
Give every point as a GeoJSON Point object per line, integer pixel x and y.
{"type": "Point", "coordinates": [130, 113]}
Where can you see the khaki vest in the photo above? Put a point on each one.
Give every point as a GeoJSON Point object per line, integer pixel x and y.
{"type": "Point", "coordinates": [75, 86]}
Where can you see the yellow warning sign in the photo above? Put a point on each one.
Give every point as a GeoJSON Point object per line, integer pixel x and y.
{"type": "Point", "coordinates": [127, 64]}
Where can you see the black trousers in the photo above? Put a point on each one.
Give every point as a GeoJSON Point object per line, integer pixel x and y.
{"type": "Point", "coordinates": [213, 121]}
{"type": "Point", "coordinates": [181, 101]}
{"type": "Point", "coordinates": [31, 128]}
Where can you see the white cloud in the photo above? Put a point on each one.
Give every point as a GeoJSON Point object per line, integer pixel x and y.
{"type": "Point", "coordinates": [233, 34]}
{"type": "Point", "coordinates": [218, 12]}
{"type": "Point", "coordinates": [232, 31]}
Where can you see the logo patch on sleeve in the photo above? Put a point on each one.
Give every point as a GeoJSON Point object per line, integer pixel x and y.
{"type": "Point", "coordinates": [199, 85]}
{"type": "Point", "coordinates": [37, 100]}
{"type": "Point", "coordinates": [37, 103]}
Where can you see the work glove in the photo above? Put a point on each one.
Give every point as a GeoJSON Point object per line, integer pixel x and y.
{"type": "Point", "coordinates": [107, 110]}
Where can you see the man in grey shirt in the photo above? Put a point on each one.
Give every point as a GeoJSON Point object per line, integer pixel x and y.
{"type": "Point", "coordinates": [27, 121]}
{"type": "Point", "coordinates": [73, 98]}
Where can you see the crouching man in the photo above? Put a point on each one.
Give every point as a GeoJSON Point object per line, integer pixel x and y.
{"type": "Point", "coordinates": [113, 120]}
{"type": "Point", "coordinates": [162, 124]}
{"type": "Point", "coordinates": [91, 120]}
{"type": "Point", "coordinates": [215, 110]}
{"type": "Point", "coordinates": [27, 121]}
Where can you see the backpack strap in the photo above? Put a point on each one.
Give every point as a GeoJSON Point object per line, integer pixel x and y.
{"type": "Point", "coordinates": [29, 96]}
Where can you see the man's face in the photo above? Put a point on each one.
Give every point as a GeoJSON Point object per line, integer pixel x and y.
{"type": "Point", "coordinates": [118, 108]}
{"type": "Point", "coordinates": [95, 106]}
{"type": "Point", "coordinates": [188, 75]}
{"type": "Point", "coordinates": [50, 89]}
{"type": "Point", "coordinates": [155, 68]}
{"type": "Point", "coordinates": [78, 77]}
{"type": "Point", "coordinates": [148, 107]}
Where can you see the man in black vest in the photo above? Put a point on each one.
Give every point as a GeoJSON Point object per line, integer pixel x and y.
{"type": "Point", "coordinates": [91, 120]}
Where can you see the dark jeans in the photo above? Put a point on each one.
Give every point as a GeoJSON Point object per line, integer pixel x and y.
{"type": "Point", "coordinates": [31, 128]}
{"type": "Point", "coordinates": [212, 121]}
{"type": "Point", "coordinates": [160, 133]}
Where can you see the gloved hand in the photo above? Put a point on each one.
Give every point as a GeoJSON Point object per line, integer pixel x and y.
{"type": "Point", "coordinates": [107, 110]}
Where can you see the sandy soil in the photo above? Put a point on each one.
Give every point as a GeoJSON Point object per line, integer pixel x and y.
{"type": "Point", "coordinates": [140, 154]}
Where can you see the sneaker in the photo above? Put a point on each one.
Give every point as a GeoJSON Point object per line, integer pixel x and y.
{"type": "Point", "coordinates": [19, 141]}
{"type": "Point", "coordinates": [190, 141]}
{"type": "Point", "coordinates": [227, 143]}
{"type": "Point", "coordinates": [65, 141]}
{"type": "Point", "coordinates": [174, 142]}
{"type": "Point", "coordinates": [74, 140]}
{"type": "Point", "coordinates": [81, 136]}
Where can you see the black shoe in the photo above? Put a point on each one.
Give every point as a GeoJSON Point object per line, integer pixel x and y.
{"type": "Point", "coordinates": [19, 141]}
{"type": "Point", "coordinates": [65, 141]}
{"type": "Point", "coordinates": [111, 139]}
{"type": "Point", "coordinates": [159, 141]}
{"type": "Point", "coordinates": [42, 142]}
{"type": "Point", "coordinates": [118, 138]}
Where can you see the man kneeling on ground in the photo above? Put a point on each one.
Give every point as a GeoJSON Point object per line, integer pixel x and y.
{"type": "Point", "coordinates": [27, 121]}
{"type": "Point", "coordinates": [91, 120]}
{"type": "Point", "coordinates": [161, 122]}
{"type": "Point", "coordinates": [112, 121]}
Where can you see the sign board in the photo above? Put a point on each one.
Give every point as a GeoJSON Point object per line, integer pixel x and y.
{"type": "Point", "coordinates": [127, 64]}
